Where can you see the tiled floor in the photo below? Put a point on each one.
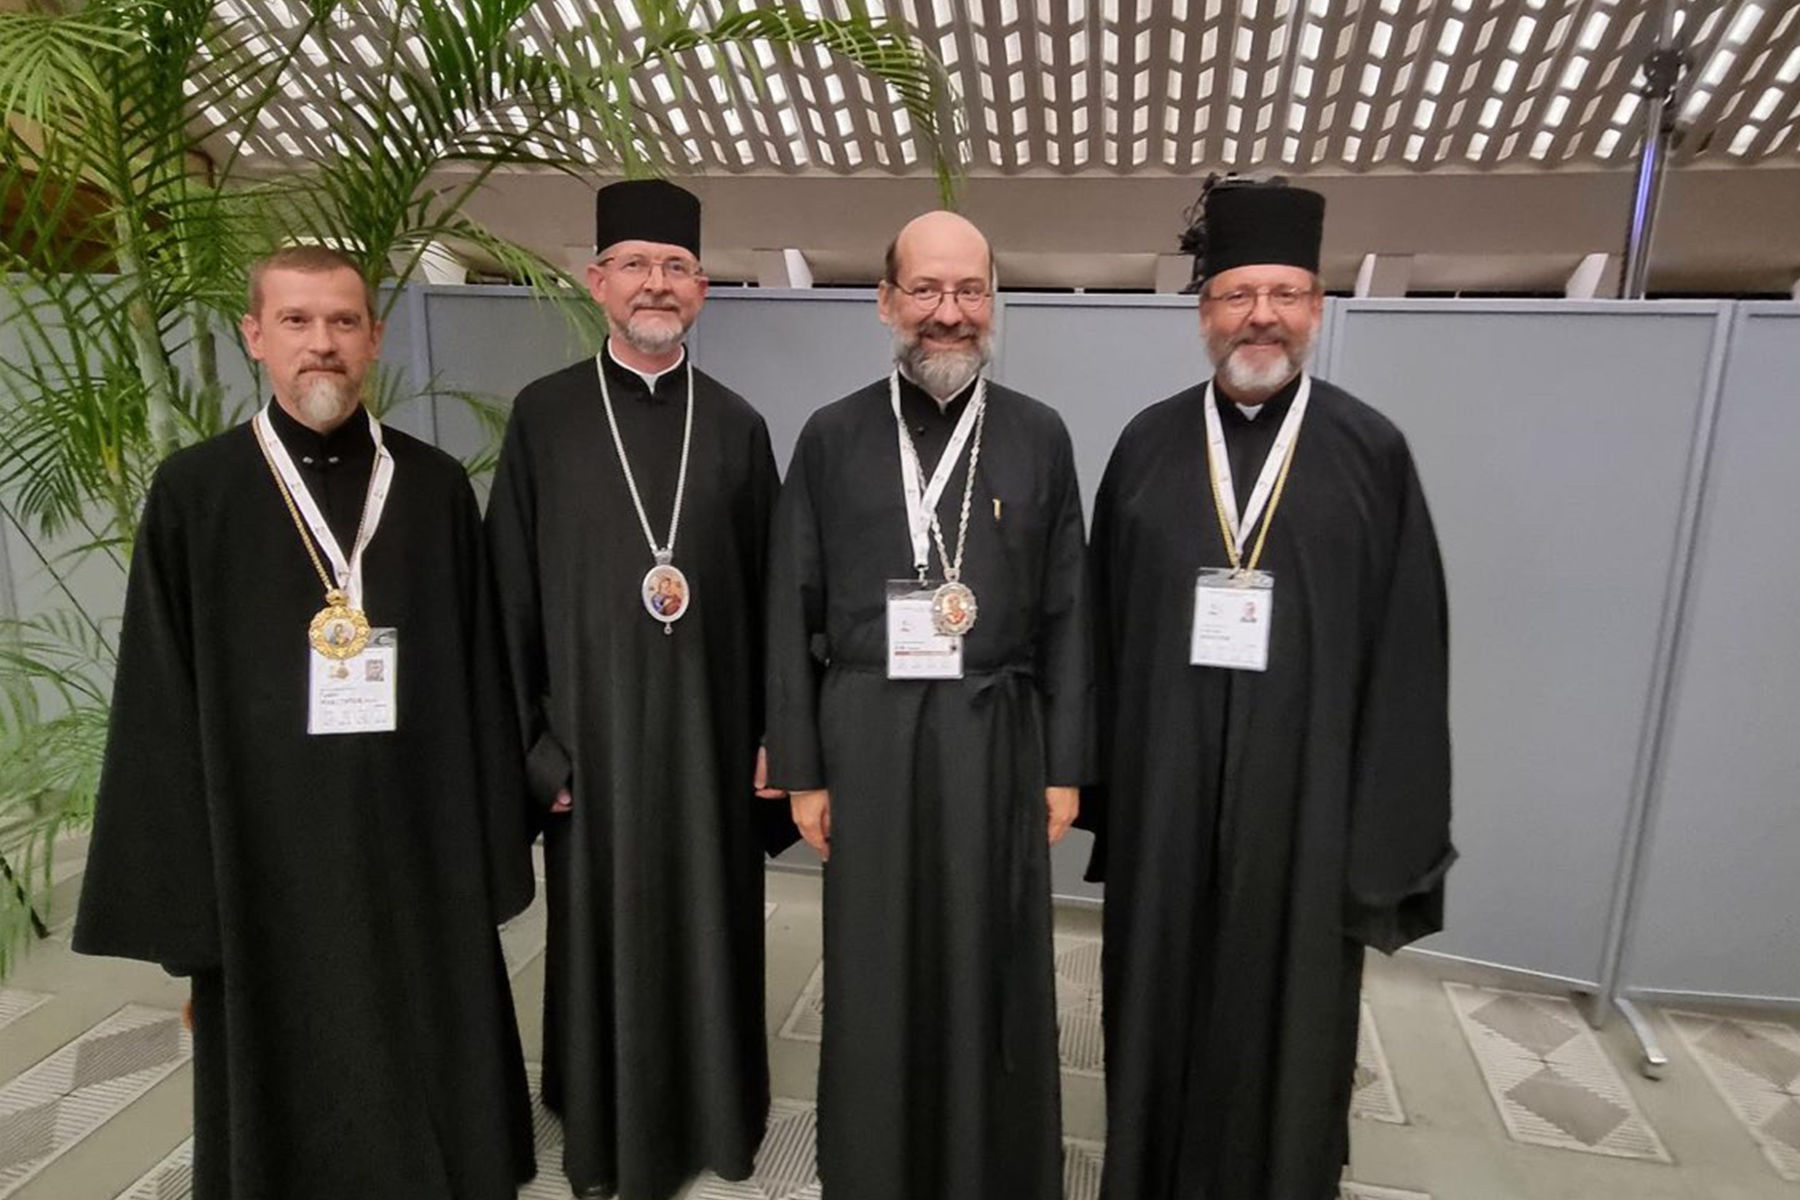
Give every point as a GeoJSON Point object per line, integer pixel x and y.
{"type": "Point", "coordinates": [1467, 1087]}
{"type": "Point", "coordinates": [1550, 1081]}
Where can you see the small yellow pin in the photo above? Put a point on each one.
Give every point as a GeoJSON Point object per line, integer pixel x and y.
{"type": "Point", "coordinates": [996, 509]}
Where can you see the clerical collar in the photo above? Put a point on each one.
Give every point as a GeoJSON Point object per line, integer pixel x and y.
{"type": "Point", "coordinates": [1272, 409]}
{"type": "Point", "coordinates": [626, 373]}
{"type": "Point", "coordinates": [310, 448]}
{"type": "Point", "coordinates": [918, 402]}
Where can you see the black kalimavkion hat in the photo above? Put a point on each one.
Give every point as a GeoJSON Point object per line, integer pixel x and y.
{"type": "Point", "coordinates": [1242, 223]}
{"type": "Point", "coordinates": [646, 210]}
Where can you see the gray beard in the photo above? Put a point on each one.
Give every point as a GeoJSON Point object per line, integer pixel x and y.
{"type": "Point", "coordinates": [1252, 381]}
{"type": "Point", "coordinates": [648, 339]}
{"type": "Point", "coordinates": [325, 401]}
{"type": "Point", "coordinates": [1245, 380]}
{"type": "Point", "coordinates": [943, 373]}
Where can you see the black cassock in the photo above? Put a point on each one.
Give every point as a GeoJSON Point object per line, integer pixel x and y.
{"type": "Point", "coordinates": [333, 897]}
{"type": "Point", "coordinates": [938, 1073]}
{"type": "Point", "coordinates": [1258, 830]}
{"type": "Point", "coordinates": [654, 1040]}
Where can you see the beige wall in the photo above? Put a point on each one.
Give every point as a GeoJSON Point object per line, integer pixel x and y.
{"type": "Point", "coordinates": [1723, 230]}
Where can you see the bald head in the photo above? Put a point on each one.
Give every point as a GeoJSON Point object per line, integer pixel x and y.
{"type": "Point", "coordinates": [938, 237]}
{"type": "Point", "coordinates": [937, 302]}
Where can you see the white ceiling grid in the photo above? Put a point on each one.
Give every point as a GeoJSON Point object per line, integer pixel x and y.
{"type": "Point", "coordinates": [1126, 87]}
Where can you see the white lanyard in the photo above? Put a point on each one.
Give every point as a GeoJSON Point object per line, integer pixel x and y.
{"type": "Point", "coordinates": [1218, 461]}
{"type": "Point", "coordinates": [348, 572]}
{"type": "Point", "coordinates": [921, 509]}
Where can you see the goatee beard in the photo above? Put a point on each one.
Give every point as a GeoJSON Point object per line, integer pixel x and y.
{"type": "Point", "coordinates": [325, 400]}
{"type": "Point", "coordinates": [654, 338]}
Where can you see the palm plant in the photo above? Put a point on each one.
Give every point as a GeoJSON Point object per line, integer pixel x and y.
{"type": "Point", "coordinates": [132, 203]}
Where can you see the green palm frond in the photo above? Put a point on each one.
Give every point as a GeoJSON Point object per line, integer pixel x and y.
{"type": "Point", "coordinates": [50, 64]}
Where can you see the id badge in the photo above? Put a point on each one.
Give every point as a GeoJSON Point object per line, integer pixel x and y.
{"type": "Point", "coordinates": [1232, 614]}
{"type": "Point", "coordinates": [355, 695]}
{"type": "Point", "coordinates": [916, 650]}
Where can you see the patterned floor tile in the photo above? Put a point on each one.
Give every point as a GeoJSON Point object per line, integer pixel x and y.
{"type": "Point", "coordinates": [170, 1179]}
{"type": "Point", "coordinates": [1369, 1191]}
{"type": "Point", "coordinates": [69, 859]}
{"type": "Point", "coordinates": [522, 938]}
{"type": "Point", "coordinates": [806, 1020]}
{"type": "Point", "coordinates": [1080, 1043]}
{"type": "Point", "coordinates": [75, 1090]}
{"type": "Point", "coordinates": [1755, 1068]}
{"type": "Point", "coordinates": [16, 1002]}
{"type": "Point", "coordinates": [786, 1165]}
{"type": "Point", "coordinates": [1375, 1097]}
{"type": "Point", "coordinates": [551, 1183]}
{"type": "Point", "coordinates": [1548, 1076]}
{"type": "Point", "coordinates": [1083, 1163]}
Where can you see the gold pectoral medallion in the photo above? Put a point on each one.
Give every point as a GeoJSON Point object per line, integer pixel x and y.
{"type": "Point", "coordinates": [337, 630]}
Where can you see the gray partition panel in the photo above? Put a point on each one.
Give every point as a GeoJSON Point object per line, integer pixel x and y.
{"type": "Point", "coordinates": [1099, 360]}
{"type": "Point", "coordinates": [406, 353]}
{"type": "Point", "coordinates": [1719, 909]}
{"type": "Point", "coordinates": [491, 341]}
{"type": "Point", "coordinates": [1552, 439]}
{"type": "Point", "coordinates": [789, 352]}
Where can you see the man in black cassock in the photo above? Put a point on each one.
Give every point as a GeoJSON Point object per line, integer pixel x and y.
{"type": "Point", "coordinates": [629, 528]}
{"type": "Point", "coordinates": [1275, 739]}
{"type": "Point", "coordinates": [934, 796]}
{"type": "Point", "coordinates": [321, 836]}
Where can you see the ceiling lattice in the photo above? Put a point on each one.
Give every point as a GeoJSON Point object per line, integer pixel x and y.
{"type": "Point", "coordinates": [1127, 87]}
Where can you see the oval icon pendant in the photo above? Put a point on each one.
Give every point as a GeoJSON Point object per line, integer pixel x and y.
{"type": "Point", "coordinates": [337, 630]}
{"type": "Point", "coordinates": [953, 609]}
{"type": "Point", "coordinates": [666, 594]}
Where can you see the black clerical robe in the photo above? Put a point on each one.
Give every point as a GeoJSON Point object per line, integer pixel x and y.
{"type": "Point", "coordinates": [938, 1073]}
{"type": "Point", "coordinates": [334, 898]}
{"type": "Point", "coordinates": [654, 1050]}
{"type": "Point", "coordinates": [1258, 830]}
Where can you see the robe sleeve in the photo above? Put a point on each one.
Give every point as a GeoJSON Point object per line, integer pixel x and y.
{"type": "Point", "coordinates": [1065, 659]}
{"type": "Point", "coordinates": [1094, 799]}
{"type": "Point", "coordinates": [775, 821]}
{"type": "Point", "coordinates": [796, 629]}
{"type": "Point", "coordinates": [500, 786]}
{"type": "Point", "coordinates": [149, 891]}
{"type": "Point", "coordinates": [1400, 845]}
{"type": "Point", "coordinates": [512, 547]}
{"type": "Point", "coordinates": [756, 519]}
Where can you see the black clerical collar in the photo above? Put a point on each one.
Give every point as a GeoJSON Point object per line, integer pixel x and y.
{"type": "Point", "coordinates": [919, 404]}
{"type": "Point", "coordinates": [669, 383]}
{"type": "Point", "coordinates": [1273, 409]}
{"type": "Point", "coordinates": [310, 448]}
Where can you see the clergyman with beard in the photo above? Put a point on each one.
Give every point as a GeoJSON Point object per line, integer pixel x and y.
{"type": "Point", "coordinates": [311, 805]}
{"type": "Point", "coordinates": [629, 525]}
{"type": "Point", "coordinates": [1275, 741]}
{"type": "Point", "coordinates": [929, 713]}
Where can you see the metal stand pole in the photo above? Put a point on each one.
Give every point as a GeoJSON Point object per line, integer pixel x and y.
{"type": "Point", "coordinates": [1652, 1061]}
{"type": "Point", "coordinates": [1662, 80]}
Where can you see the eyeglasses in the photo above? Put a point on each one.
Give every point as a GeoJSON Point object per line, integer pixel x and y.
{"type": "Point", "coordinates": [638, 266]}
{"type": "Point", "coordinates": [969, 296]}
{"type": "Point", "coordinates": [1239, 301]}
